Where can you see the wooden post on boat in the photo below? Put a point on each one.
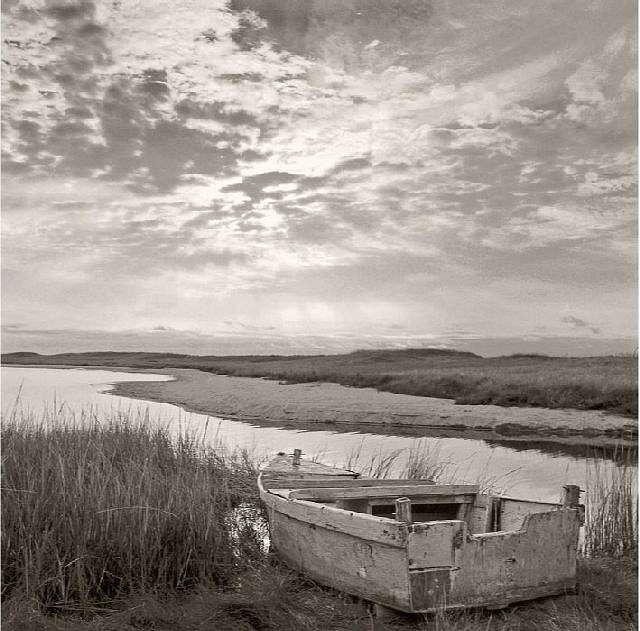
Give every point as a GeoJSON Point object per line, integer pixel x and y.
{"type": "Point", "coordinates": [403, 510]}
{"type": "Point", "coordinates": [571, 497]}
{"type": "Point", "coordinates": [403, 514]}
{"type": "Point", "coordinates": [296, 456]}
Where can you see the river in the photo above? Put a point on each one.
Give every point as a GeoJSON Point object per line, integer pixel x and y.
{"type": "Point", "coordinates": [528, 472]}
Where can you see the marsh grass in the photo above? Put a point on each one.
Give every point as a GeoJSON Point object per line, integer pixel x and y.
{"type": "Point", "coordinates": [94, 509]}
{"type": "Point", "coordinates": [422, 461]}
{"type": "Point", "coordinates": [611, 508]}
{"type": "Point", "coordinates": [588, 383]}
{"type": "Point", "coordinates": [425, 461]}
{"type": "Point", "coordinates": [119, 525]}
{"type": "Point", "coordinates": [377, 465]}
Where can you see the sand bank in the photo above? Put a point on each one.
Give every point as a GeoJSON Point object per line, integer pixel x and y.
{"type": "Point", "coordinates": [262, 400]}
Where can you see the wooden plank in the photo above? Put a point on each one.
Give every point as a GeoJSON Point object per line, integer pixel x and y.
{"type": "Point", "coordinates": [430, 588]}
{"type": "Point", "coordinates": [504, 567]}
{"type": "Point", "coordinates": [385, 500]}
{"type": "Point", "coordinates": [464, 511]}
{"type": "Point", "coordinates": [426, 600]}
{"type": "Point", "coordinates": [340, 482]}
{"type": "Point", "coordinates": [285, 493]}
{"type": "Point", "coordinates": [416, 499]}
{"type": "Point", "coordinates": [479, 519]}
{"type": "Point", "coordinates": [408, 490]}
{"type": "Point", "coordinates": [361, 525]}
{"type": "Point", "coordinates": [571, 496]}
{"type": "Point", "coordinates": [403, 510]}
{"type": "Point", "coordinates": [284, 464]}
{"type": "Point", "coordinates": [495, 518]}
{"type": "Point", "coordinates": [514, 512]}
{"type": "Point", "coordinates": [432, 544]}
{"type": "Point", "coordinates": [499, 568]}
{"type": "Point", "coordinates": [364, 504]}
{"type": "Point", "coordinates": [341, 560]}
{"type": "Point", "coordinates": [282, 481]}
{"type": "Point", "coordinates": [528, 501]}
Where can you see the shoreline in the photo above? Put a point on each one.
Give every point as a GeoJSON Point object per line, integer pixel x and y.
{"type": "Point", "coordinates": [332, 407]}
{"type": "Point", "coordinates": [327, 406]}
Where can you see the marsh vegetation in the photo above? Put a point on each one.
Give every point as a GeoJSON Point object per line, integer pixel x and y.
{"type": "Point", "coordinates": [586, 383]}
{"type": "Point", "coordinates": [115, 524]}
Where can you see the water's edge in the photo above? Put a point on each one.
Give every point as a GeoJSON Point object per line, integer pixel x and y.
{"type": "Point", "coordinates": [179, 392]}
{"type": "Point", "coordinates": [532, 466]}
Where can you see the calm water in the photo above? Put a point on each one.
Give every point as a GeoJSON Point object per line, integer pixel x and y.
{"type": "Point", "coordinates": [527, 473]}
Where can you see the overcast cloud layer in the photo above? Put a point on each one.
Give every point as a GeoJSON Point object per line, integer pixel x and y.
{"type": "Point", "coordinates": [397, 169]}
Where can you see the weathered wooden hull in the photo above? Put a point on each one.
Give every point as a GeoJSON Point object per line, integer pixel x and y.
{"type": "Point", "coordinates": [497, 569]}
{"type": "Point", "coordinates": [341, 560]}
{"type": "Point", "coordinates": [423, 567]}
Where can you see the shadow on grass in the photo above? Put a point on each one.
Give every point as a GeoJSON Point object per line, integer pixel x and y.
{"type": "Point", "coordinates": [272, 598]}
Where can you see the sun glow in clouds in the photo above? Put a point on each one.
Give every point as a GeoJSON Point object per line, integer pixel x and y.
{"type": "Point", "coordinates": [320, 166]}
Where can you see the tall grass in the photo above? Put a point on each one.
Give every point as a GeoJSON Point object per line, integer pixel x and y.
{"type": "Point", "coordinates": [92, 510]}
{"type": "Point", "coordinates": [425, 461]}
{"type": "Point", "coordinates": [611, 508]}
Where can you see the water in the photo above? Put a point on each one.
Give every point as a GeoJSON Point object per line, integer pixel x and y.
{"type": "Point", "coordinates": [531, 473]}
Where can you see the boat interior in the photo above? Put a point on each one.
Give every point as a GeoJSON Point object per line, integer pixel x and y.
{"type": "Point", "coordinates": [412, 501]}
{"type": "Point", "coordinates": [428, 502]}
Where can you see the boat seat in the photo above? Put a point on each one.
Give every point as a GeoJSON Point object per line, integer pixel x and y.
{"type": "Point", "coordinates": [429, 502]}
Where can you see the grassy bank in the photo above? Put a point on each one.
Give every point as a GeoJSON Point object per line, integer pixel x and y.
{"type": "Point", "coordinates": [117, 525]}
{"type": "Point", "coordinates": [93, 510]}
{"type": "Point", "coordinates": [588, 383]}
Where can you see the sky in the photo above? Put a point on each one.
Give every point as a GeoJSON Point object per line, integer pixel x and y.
{"type": "Point", "coordinates": [237, 176]}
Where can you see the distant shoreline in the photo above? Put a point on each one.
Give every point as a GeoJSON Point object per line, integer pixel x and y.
{"type": "Point", "coordinates": [593, 385]}
{"type": "Point", "coordinates": [322, 405]}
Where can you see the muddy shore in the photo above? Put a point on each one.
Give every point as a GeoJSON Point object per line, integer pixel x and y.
{"type": "Point", "coordinates": [264, 401]}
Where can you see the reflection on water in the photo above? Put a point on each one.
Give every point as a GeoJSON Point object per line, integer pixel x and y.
{"type": "Point", "coordinates": [622, 452]}
{"type": "Point", "coordinates": [520, 467]}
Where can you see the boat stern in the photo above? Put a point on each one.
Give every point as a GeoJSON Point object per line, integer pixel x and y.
{"type": "Point", "coordinates": [493, 569]}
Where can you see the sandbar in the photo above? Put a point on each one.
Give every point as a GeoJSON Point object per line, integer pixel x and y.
{"type": "Point", "coordinates": [263, 400]}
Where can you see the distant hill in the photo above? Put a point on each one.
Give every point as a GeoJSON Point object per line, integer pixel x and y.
{"type": "Point", "coordinates": [145, 359]}
{"type": "Point", "coordinates": [416, 353]}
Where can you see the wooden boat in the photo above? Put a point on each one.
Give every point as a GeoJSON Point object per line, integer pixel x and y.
{"type": "Point", "coordinates": [415, 546]}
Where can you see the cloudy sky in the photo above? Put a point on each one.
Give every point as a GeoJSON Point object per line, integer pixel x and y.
{"type": "Point", "coordinates": [309, 174]}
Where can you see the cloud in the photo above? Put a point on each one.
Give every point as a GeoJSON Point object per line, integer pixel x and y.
{"type": "Point", "coordinates": [383, 152]}
{"type": "Point", "coordinates": [578, 323]}
{"type": "Point", "coordinates": [135, 125]}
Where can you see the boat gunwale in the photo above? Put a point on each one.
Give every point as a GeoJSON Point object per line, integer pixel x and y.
{"type": "Point", "coordinates": [387, 488]}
